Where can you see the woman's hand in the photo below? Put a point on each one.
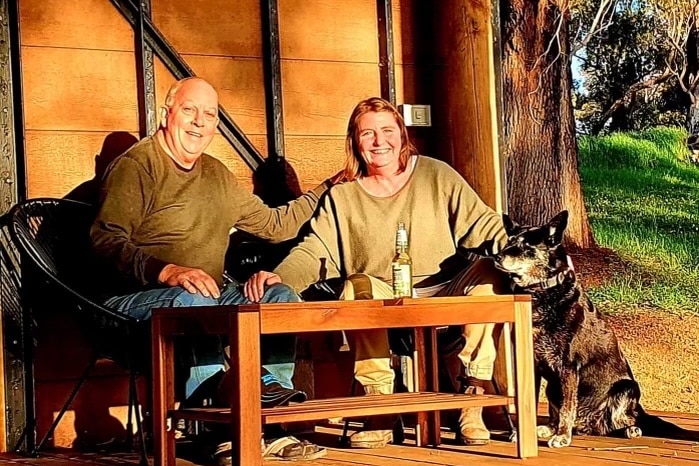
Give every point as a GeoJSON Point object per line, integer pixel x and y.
{"type": "Point", "coordinates": [191, 279]}
{"type": "Point", "coordinates": [254, 288]}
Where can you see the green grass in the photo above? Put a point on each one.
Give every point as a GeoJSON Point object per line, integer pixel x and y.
{"type": "Point", "coordinates": [642, 196]}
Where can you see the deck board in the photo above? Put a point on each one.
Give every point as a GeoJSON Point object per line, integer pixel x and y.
{"type": "Point", "coordinates": [585, 451]}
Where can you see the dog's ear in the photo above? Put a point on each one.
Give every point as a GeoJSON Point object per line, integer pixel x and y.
{"type": "Point", "coordinates": [510, 226]}
{"type": "Point", "coordinates": [557, 226]}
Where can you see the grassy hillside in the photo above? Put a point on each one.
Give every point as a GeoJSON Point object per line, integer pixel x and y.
{"type": "Point", "coordinates": [642, 195]}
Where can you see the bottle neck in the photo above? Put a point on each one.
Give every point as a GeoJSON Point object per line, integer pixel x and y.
{"type": "Point", "coordinates": [401, 240]}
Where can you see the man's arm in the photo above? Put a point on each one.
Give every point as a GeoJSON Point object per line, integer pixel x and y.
{"type": "Point", "coordinates": [317, 257]}
{"type": "Point", "coordinates": [280, 223]}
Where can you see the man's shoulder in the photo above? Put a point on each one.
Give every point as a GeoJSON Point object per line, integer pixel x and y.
{"type": "Point", "coordinates": [143, 152]}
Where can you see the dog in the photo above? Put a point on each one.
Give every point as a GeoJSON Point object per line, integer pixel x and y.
{"type": "Point", "coordinates": [590, 387]}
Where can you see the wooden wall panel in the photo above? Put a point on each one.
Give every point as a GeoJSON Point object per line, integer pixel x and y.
{"type": "Point", "coordinates": [79, 90]}
{"type": "Point", "coordinates": [329, 30]}
{"type": "Point", "coordinates": [319, 96]}
{"type": "Point", "coordinates": [214, 27]}
{"type": "Point", "coordinates": [223, 151]}
{"type": "Point", "coordinates": [405, 91]}
{"type": "Point", "coordinates": [403, 33]}
{"type": "Point", "coordinates": [424, 84]}
{"type": "Point", "coordinates": [93, 24]}
{"type": "Point", "coordinates": [315, 158]}
{"type": "Point", "coordinates": [59, 161]}
{"type": "Point", "coordinates": [239, 82]}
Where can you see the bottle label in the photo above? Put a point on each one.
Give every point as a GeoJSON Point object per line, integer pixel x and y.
{"type": "Point", "coordinates": [402, 281]}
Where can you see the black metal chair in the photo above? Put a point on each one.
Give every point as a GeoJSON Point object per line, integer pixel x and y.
{"type": "Point", "coordinates": [52, 236]}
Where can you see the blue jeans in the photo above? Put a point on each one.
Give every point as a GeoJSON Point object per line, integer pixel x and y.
{"type": "Point", "coordinates": [278, 351]}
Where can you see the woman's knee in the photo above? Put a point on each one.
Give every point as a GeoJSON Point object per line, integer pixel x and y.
{"type": "Point", "coordinates": [363, 286]}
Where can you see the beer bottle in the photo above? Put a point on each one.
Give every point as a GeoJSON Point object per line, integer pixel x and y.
{"type": "Point", "coordinates": [402, 266]}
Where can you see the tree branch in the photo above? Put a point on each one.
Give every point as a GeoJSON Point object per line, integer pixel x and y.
{"type": "Point", "coordinates": [634, 89]}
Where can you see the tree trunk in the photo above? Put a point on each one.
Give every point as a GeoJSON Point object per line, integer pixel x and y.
{"type": "Point", "coordinates": [691, 80]}
{"type": "Point", "coordinates": [539, 128]}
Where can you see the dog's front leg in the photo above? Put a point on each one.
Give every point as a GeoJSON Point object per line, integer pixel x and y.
{"type": "Point", "coordinates": [568, 411]}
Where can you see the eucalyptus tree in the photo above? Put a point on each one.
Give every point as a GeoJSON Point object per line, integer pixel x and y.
{"type": "Point", "coordinates": [538, 125]}
{"type": "Point", "coordinates": [641, 70]}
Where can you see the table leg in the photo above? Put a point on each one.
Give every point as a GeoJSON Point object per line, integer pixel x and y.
{"type": "Point", "coordinates": [422, 428]}
{"type": "Point", "coordinates": [246, 408]}
{"type": "Point", "coordinates": [524, 382]}
{"type": "Point", "coordinates": [163, 394]}
{"type": "Point", "coordinates": [432, 359]}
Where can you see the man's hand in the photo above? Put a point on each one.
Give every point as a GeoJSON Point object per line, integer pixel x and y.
{"type": "Point", "coordinates": [254, 288]}
{"type": "Point", "coordinates": [191, 279]}
{"type": "Point", "coordinates": [337, 178]}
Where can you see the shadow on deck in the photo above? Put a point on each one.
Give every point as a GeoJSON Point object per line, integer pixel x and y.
{"type": "Point", "coordinates": [587, 451]}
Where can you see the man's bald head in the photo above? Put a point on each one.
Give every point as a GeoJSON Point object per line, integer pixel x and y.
{"type": "Point", "coordinates": [188, 120]}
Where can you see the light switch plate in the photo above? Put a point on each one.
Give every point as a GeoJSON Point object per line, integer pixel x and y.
{"type": "Point", "coordinates": [416, 115]}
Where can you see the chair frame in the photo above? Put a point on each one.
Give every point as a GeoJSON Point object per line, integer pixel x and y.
{"type": "Point", "coordinates": [23, 225]}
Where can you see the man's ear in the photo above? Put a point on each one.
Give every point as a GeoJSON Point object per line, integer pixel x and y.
{"type": "Point", "coordinates": [163, 116]}
{"type": "Point", "coordinates": [557, 226]}
{"type": "Point", "coordinates": [510, 226]}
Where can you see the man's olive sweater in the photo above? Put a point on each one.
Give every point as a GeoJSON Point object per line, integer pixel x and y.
{"type": "Point", "coordinates": [154, 213]}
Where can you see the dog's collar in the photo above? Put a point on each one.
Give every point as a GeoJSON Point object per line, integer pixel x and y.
{"type": "Point", "coordinates": [556, 280]}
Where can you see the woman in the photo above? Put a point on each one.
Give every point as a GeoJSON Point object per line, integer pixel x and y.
{"type": "Point", "coordinates": [352, 237]}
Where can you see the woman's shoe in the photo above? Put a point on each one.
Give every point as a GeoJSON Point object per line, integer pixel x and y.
{"type": "Point", "coordinates": [472, 430]}
{"type": "Point", "coordinates": [378, 432]}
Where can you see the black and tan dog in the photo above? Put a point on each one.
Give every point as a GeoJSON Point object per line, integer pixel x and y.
{"type": "Point", "coordinates": [590, 387]}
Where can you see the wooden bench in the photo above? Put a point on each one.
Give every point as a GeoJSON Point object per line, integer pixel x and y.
{"type": "Point", "coordinates": [244, 325]}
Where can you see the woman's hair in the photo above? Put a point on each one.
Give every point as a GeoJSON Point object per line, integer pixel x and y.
{"type": "Point", "coordinates": [354, 164]}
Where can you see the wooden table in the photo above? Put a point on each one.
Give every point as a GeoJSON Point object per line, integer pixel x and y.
{"type": "Point", "coordinates": [244, 325]}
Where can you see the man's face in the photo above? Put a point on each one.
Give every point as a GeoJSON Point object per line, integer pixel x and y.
{"type": "Point", "coordinates": [191, 121]}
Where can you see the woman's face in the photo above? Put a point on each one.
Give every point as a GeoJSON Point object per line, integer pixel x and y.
{"type": "Point", "coordinates": [379, 142]}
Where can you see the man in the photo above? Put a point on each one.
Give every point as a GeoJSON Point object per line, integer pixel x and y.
{"type": "Point", "coordinates": [166, 211]}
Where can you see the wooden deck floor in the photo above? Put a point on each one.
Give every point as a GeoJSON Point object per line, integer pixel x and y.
{"type": "Point", "coordinates": [587, 451]}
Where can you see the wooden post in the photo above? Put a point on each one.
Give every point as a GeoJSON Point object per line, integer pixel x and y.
{"type": "Point", "coordinates": [472, 96]}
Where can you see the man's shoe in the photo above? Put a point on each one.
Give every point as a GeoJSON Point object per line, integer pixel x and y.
{"type": "Point", "coordinates": [274, 394]}
{"type": "Point", "coordinates": [282, 449]}
{"type": "Point", "coordinates": [472, 430]}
